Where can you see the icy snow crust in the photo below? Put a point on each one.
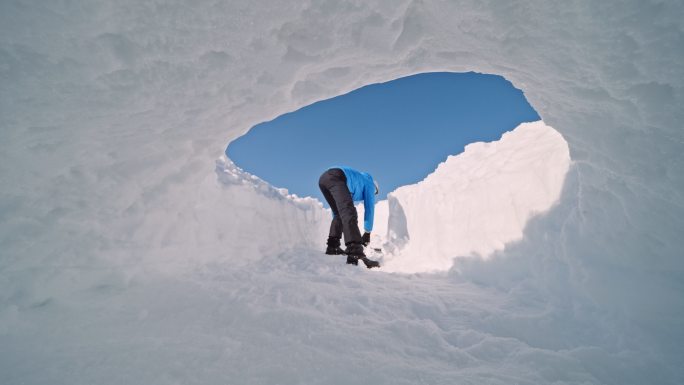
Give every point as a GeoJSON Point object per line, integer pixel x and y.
{"type": "Point", "coordinates": [128, 255]}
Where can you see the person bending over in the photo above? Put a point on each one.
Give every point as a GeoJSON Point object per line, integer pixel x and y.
{"type": "Point", "coordinates": [341, 186]}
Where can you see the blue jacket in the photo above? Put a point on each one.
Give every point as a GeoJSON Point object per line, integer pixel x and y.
{"type": "Point", "coordinates": [362, 188]}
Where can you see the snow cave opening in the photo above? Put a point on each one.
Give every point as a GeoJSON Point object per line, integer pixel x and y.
{"type": "Point", "coordinates": [462, 159]}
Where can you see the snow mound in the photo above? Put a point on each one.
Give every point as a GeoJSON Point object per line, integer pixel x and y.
{"type": "Point", "coordinates": [476, 202]}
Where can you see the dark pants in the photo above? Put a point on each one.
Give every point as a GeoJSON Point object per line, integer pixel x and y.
{"type": "Point", "coordinates": [333, 185]}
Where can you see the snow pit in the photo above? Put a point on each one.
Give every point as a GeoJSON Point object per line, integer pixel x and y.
{"type": "Point", "coordinates": [128, 254]}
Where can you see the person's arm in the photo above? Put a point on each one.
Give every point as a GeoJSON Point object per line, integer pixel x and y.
{"type": "Point", "coordinates": [368, 207]}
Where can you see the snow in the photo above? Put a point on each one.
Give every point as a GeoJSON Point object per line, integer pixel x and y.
{"type": "Point", "coordinates": [130, 254]}
{"type": "Point", "coordinates": [475, 203]}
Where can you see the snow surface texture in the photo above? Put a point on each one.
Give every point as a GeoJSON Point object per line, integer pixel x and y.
{"type": "Point", "coordinates": [126, 258]}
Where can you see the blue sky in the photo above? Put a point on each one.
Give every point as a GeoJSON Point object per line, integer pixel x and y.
{"type": "Point", "coordinates": [397, 131]}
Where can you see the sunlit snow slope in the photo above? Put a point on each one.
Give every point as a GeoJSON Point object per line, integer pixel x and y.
{"type": "Point", "coordinates": [130, 254]}
{"type": "Point", "coordinates": [477, 202]}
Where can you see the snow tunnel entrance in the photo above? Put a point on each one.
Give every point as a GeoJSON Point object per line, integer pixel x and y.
{"type": "Point", "coordinates": [436, 200]}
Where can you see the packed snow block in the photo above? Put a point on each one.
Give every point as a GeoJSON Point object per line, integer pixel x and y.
{"type": "Point", "coordinates": [397, 228]}
{"type": "Point", "coordinates": [476, 202]}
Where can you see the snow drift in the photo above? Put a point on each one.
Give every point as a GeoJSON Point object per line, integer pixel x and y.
{"type": "Point", "coordinates": [477, 202]}
{"type": "Point", "coordinates": [124, 258]}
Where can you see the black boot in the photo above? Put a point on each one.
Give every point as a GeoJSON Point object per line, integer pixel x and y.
{"type": "Point", "coordinates": [335, 251]}
{"type": "Point", "coordinates": [354, 253]}
{"type": "Point", "coordinates": [370, 263]}
{"type": "Point", "coordinates": [334, 247]}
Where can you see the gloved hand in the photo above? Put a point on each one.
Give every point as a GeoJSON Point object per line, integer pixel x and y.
{"type": "Point", "coordinates": [365, 239]}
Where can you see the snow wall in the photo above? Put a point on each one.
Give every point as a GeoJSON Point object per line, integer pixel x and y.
{"type": "Point", "coordinates": [113, 115]}
{"type": "Point", "coordinates": [474, 203]}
